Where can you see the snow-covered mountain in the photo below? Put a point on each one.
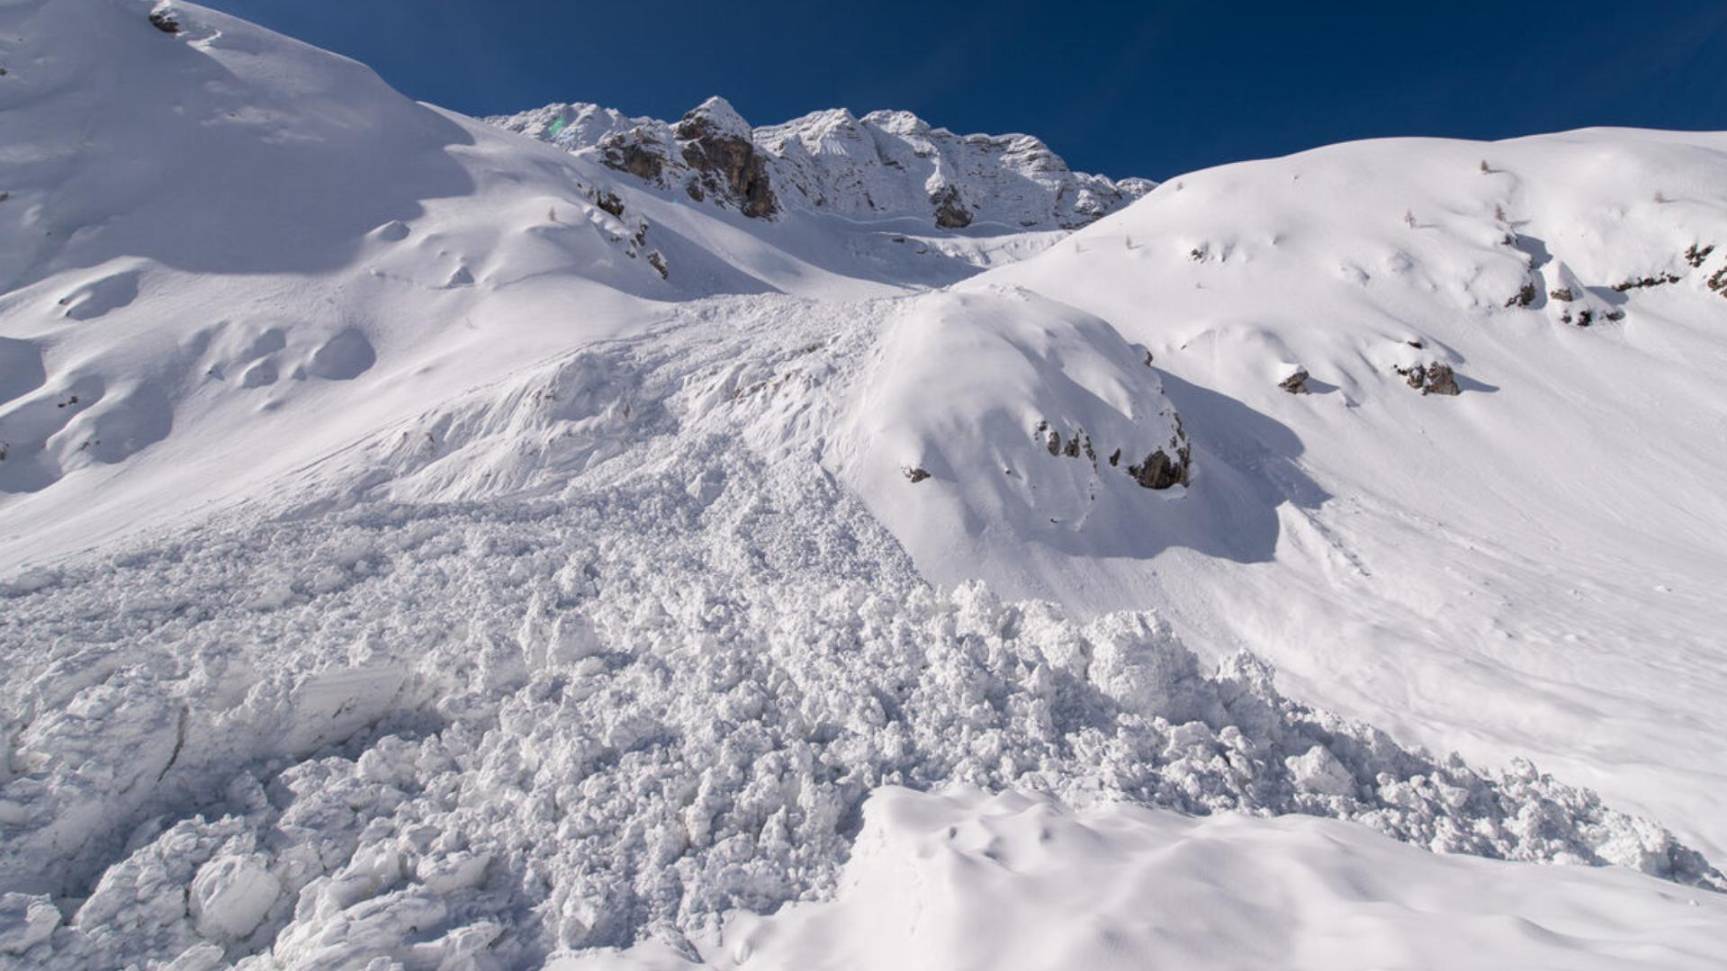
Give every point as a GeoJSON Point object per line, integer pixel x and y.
{"type": "Point", "coordinates": [884, 165]}
{"type": "Point", "coordinates": [428, 546]}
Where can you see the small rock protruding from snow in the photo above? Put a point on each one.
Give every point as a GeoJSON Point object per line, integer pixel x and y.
{"type": "Point", "coordinates": [1433, 377]}
{"type": "Point", "coordinates": [1295, 382]}
{"type": "Point", "coordinates": [162, 18]}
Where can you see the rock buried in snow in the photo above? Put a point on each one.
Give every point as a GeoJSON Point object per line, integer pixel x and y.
{"type": "Point", "coordinates": [1433, 377]}
{"type": "Point", "coordinates": [1296, 382]}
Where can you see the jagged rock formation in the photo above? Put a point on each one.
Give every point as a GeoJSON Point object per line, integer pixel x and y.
{"type": "Point", "coordinates": [715, 143]}
{"type": "Point", "coordinates": [887, 164]}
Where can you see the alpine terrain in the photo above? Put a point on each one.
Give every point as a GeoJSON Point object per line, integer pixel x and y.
{"type": "Point", "coordinates": [579, 541]}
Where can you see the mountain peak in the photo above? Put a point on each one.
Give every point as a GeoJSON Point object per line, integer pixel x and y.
{"type": "Point", "coordinates": [719, 113]}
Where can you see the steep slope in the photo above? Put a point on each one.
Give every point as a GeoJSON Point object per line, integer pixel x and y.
{"type": "Point", "coordinates": [226, 255]}
{"type": "Point", "coordinates": [1528, 566]}
{"type": "Point", "coordinates": [885, 165]}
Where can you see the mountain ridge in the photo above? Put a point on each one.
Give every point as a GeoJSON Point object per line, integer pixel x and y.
{"type": "Point", "coordinates": [883, 165]}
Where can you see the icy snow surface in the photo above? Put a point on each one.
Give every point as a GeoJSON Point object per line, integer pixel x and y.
{"type": "Point", "coordinates": [425, 546]}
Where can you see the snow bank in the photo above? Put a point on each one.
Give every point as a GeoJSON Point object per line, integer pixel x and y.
{"type": "Point", "coordinates": [967, 880]}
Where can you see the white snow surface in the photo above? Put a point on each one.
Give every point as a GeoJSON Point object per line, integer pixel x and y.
{"type": "Point", "coordinates": [965, 880]}
{"type": "Point", "coordinates": [425, 547]}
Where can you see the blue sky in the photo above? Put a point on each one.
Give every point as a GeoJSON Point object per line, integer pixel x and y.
{"type": "Point", "coordinates": [1150, 88]}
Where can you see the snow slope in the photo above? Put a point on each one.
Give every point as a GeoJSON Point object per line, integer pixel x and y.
{"type": "Point", "coordinates": [964, 880]}
{"type": "Point", "coordinates": [225, 236]}
{"type": "Point", "coordinates": [1529, 567]}
{"type": "Point", "coordinates": [420, 543]}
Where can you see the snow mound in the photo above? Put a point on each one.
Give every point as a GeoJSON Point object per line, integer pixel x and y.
{"type": "Point", "coordinates": [1005, 413]}
{"type": "Point", "coordinates": [964, 879]}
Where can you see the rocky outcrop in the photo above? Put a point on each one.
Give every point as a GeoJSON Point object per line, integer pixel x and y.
{"type": "Point", "coordinates": [1433, 377]}
{"type": "Point", "coordinates": [1161, 468]}
{"type": "Point", "coordinates": [949, 213]}
{"type": "Point", "coordinates": [1296, 382]}
{"type": "Point", "coordinates": [715, 143]}
{"type": "Point", "coordinates": [887, 164]}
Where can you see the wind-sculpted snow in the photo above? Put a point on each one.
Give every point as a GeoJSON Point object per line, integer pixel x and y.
{"type": "Point", "coordinates": [484, 732]}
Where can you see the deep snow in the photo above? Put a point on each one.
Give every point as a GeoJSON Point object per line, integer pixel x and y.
{"type": "Point", "coordinates": [421, 543]}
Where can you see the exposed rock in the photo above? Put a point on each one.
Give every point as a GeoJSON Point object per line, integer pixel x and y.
{"type": "Point", "coordinates": [716, 144]}
{"type": "Point", "coordinates": [658, 262]}
{"type": "Point", "coordinates": [610, 202]}
{"type": "Point", "coordinates": [632, 152]}
{"type": "Point", "coordinates": [1296, 383]}
{"type": "Point", "coordinates": [882, 165]}
{"type": "Point", "coordinates": [915, 474]}
{"type": "Point", "coordinates": [1696, 256]}
{"type": "Point", "coordinates": [163, 20]}
{"type": "Point", "coordinates": [1524, 297]}
{"type": "Point", "coordinates": [1563, 294]}
{"type": "Point", "coordinates": [1160, 471]}
{"type": "Point", "coordinates": [1648, 281]}
{"type": "Point", "coordinates": [1718, 281]}
{"type": "Point", "coordinates": [1433, 377]}
{"type": "Point", "coordinates": [1587, 315]}
{"type": "Point", "coordinates": [949, 213]}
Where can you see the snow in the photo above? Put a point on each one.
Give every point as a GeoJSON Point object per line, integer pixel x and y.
{"type": "Point", "coordinates": [1484, 569]}
{"type": "Point", "coordinates": [420, 544]}
{"type": "Point", "coordinates": [965, 880]}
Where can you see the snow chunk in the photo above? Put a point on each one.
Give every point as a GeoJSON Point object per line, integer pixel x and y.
{"type": "Point", "coordinates": [231, 895]}
{"type": "Point", "coordinates": [1319, 771]}
{"type": "Point", "coordinates": [26, 920]}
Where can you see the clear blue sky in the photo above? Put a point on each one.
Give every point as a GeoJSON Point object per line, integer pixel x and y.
{"type": "Point", "coordinates": [1151, 88]}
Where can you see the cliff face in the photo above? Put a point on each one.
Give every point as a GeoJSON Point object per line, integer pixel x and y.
{"type": "Point", "coordinates": [885, 165]}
